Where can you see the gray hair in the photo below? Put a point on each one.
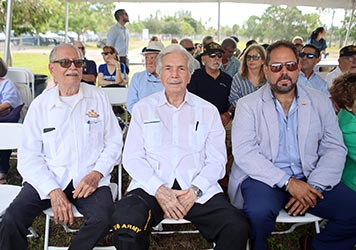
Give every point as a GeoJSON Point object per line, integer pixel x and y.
{"type": "Point", "coordinates": [53, 54]}
{"type": "Point", "coordinates": [174, 48]}
{"type": "Point", "coordinates": [228, 43]}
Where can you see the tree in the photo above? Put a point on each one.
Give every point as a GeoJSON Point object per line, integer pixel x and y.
{"type": "Point", "coordinates": [28, 16]}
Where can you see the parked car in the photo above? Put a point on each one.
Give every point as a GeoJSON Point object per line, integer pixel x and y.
{"type": "Point", "coordinates": [101, 43]}
{"type": "Point", "coordinates": [33, 40]}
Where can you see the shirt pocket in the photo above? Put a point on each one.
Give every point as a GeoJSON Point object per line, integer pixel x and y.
{"type": "Point", "coordinates": [49, 144]}
{"type": "Point", "coordinates": [198, 134]}
{"type": "Point", "coordinates": [94, 140]}
{"type": "Point", "coordinates": [152, 134]}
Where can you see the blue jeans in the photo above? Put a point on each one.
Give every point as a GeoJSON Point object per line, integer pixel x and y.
{"type": "Point", "coordinates": [262, 204]}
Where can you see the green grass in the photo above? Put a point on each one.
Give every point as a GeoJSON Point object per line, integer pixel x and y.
{"type": "Point", "coordinates": [34, 61]}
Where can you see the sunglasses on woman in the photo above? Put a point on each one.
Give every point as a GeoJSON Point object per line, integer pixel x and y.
{"type": "Point", "coordinates": [254, 57]}
{"type": "Point", "coordinates": [66, 63]}
{"type": "Point", "coordinates": [107, 53]}
{"type": "Point", "coordinates": [277, 67]}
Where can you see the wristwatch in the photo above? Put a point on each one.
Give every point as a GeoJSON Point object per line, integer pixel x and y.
{"type": "Point", "coordinates": [197, 191]}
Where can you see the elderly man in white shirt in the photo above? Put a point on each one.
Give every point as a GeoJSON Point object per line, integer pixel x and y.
{"type": "Point", "coordinates": [175, 153]}
{"type": "Point", "coordinates": [72, 142]}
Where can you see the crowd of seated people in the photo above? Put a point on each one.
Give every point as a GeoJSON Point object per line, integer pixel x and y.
{"type": "Point", "coordinates": [274, 117]}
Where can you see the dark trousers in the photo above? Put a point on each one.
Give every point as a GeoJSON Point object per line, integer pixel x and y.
{"type": "Point", "coordinates": [4, 161]}
{"type": "Point", "coordinates": [217, 220]}
{"type": "Point", "coordinates": [124, 60]}
{"type": "Point", "coordinates": [97, 210]}
{"type": "Point", "coordinates": [262, 204]}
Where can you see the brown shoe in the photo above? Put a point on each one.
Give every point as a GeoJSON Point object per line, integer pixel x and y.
{"type": "Point", "coordinates": [306, 242]}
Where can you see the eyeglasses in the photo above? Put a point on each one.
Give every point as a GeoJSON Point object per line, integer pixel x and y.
{"type": "Point", "coordinates": [82, 48]}
{"type": "Point", "coordinates": [66, 63]}
{"type": "Point", "coordinates": [350, 58]}
{"type": "Point", "coordinates": [309, 55]}
{"type": "Point", "coordinates": [277, 67]}
{"type": "Point", "coordinates": [107, 53]}
{"type": "Point", "coordinates": [190, 49]}
{"type": "Point", "coordinates": [213, 55]}
{"type": "Point", "coordinates": [254, 57]}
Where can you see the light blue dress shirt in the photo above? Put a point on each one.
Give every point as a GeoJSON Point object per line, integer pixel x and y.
{"type": "Point", "coordinates": [288, 152]}
{"type": "Point", "coordinates": [232, 66]}
{"type": "Point", "coordinates": [9, 93]}
{"type": "Point", "coordinates": [142, 84]}
{"type": "Point", "coordinates": [314, 81]}
{"type": "Point", "coordinates": [118, 36]}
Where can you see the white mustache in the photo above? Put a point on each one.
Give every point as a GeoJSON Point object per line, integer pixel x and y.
{"type": "Point", "coordinates": [174, 81]}
{"type": "Point", "coordinates": [72, 73]}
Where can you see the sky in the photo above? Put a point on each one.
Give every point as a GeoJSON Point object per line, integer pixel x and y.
{"type": "Point", "coordinates": [231, 13]}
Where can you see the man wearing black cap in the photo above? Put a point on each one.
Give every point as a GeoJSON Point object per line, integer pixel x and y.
{"type": "Point", "coordinates": [347, 63]}
{"type": "Point", "coordinates": [213, 85]}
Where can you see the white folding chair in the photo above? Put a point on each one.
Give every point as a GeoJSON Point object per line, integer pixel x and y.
{"type": "Point", "coordinates": [26, 96]}
{"type": "Point", "coordinates": [49, 214]}
{"type": "Point", "coordinates": [7, 194]}
{"type": "Point", "coordinates": [297, 221]}
{"type": "Point", "coordinates": [22, 75]}
{"type": "Point", "coordinates": [159, 228]}
{"type": "Point", "coordinates": [117, 97]}
{"type": "Point", "coordinates": [10, 134]}
{"type": "Point", "coordinates": [284, 217]}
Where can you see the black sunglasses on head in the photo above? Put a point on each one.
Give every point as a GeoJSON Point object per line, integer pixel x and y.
{"type": "Point", "coordinates": [309, 55]}
{"type": "Point", "coordinates": [213, 55]}
{"type": "Point", "coordinates": [66, 63]}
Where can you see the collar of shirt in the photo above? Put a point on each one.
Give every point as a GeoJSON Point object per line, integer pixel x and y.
{"type": "Point", "coordinates": [55, 101]}
{"type": "Point", "coordinates": [163, 99]}
{"type": "Point", "coordinates": [152, 78]}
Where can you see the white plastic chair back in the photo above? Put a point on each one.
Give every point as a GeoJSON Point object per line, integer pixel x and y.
{"type": "Point", "coordinates": [22, 75]}
{"type": "Point", "coordinates": [7, 194]}
{"type": "Point", "coordinates": [26, 96]}
{"type": "Point", "coordinates": [10, 134]}
{"type": "Point", "coordinates": [117, 96]}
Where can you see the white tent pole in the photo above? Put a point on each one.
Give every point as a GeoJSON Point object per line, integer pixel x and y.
{"type": "Point", "coordinates": [66, 22]}
{"type": "Point", "coordinates": [7, 56]}
{"type": "Point", "coordinates": [219, 31]}
{"type": "Point", "coordinates": [350, 23]}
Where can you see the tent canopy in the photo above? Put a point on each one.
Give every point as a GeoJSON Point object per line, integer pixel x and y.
{"type": "Point", "coordinates": [334, 4]}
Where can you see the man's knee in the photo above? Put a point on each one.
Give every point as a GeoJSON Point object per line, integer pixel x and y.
{"type": "Point", "coordinates": [260, 214]}
{"type": "Point", "coordinates": [132, 219]}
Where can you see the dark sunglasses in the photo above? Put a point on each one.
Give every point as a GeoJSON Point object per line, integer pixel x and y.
{"type": "Point", "coordinates": [107, 53]}
{"type": "Point", "coordinates": [309, 55]}
{"type": "Point", "coordinates": [213, 55]}
{"type": "Point", "coordinates": [82, 48]}
{"type": "Point", "coordinates": [66, 63]}
{"type": "Point", "coordinates": [255, 57]}
{"type": "Point", "coordinates": [290, 66]}
{"type": "Point", "coordinates": [190, 49]}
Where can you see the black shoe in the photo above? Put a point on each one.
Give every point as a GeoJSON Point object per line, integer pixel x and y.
{"type": "Point", "coordinates": [306, 242]}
